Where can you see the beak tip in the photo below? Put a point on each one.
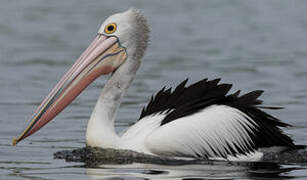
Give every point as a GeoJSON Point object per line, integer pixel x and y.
{"type": "Point", "coordinates": [14, 141]}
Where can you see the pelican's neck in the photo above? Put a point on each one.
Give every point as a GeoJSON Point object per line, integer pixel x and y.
{"type": "Point", "coordinates": [100, 129]}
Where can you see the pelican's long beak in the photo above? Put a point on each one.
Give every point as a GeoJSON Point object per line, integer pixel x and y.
{"type": "Point", "coordinates": [103, 56]}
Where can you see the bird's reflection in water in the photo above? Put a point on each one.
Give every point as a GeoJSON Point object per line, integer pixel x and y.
{"type": "Point", "coordinates": [201, 170]}
{"type": "Point", "coordinates": [125, 164]}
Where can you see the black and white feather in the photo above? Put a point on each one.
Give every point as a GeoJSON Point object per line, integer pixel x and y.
{"type": "Point", "coordinates": [205, 121]}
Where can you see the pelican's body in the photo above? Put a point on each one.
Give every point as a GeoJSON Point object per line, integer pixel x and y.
{"type": "Point", "coordinates": [196, 121]}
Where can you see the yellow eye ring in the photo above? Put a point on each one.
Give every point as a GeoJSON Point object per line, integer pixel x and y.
{"type": "Point", "coordinates": [110, 28]}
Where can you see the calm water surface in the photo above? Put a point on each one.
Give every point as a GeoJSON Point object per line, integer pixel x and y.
{"type": "Point", "coordinates": [253, 44]}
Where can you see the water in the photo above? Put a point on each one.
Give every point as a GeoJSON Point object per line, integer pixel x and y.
{"type": "Point", "coordinates": [252, 44]}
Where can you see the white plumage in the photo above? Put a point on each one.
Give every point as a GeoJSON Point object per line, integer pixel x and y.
{"type": "Point", "coordinates": [136, 136]}
{"type": "Point", "coordinates": [209, 132]}
{"type": "Point", "coordinates": [205, 132]}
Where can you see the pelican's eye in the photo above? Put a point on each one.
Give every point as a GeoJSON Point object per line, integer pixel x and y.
{"type": "Point", "coordinates": [110, 28]}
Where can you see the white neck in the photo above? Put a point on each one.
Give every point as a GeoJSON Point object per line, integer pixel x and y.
{"type": "Point", "coordinates": [100, 129]}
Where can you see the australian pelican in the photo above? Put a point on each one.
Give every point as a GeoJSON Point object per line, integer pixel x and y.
{"type": "Point", "coordinates": [201, 120]}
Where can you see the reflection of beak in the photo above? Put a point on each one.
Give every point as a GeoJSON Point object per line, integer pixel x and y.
{"type": "Point", "coordinates": [103, 56]}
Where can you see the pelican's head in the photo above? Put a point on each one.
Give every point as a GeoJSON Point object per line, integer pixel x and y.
{"type": "Point", "coordinates": [123, 37]}
{"type": "Point", "coordinates": [132, 30]}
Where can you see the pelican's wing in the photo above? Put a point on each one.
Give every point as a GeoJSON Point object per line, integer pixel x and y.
{"type": "Point", "coordinates": [202, 121]}
{"type": "Point", "coordinates": [216, 131]}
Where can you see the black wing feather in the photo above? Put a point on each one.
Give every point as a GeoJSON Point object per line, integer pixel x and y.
{"type": "Point", "coordinates": [184, 101]}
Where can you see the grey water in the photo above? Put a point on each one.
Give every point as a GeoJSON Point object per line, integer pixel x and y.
{"type": "Point", "coordinates": [252, 44]}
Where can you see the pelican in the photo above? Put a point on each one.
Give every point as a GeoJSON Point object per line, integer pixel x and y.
{"type": "Point", "coordinates": [202, 120]}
